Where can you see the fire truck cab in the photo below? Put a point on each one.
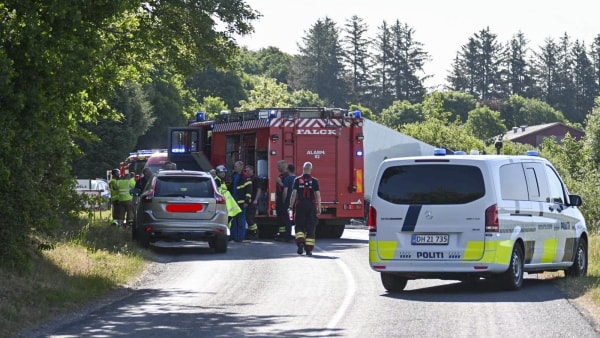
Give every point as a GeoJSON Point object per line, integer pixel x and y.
{"type": "Point", "coordinates": [330, 138]}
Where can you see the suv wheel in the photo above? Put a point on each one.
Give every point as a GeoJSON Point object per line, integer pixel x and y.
{"type": "Point", "coordinates": [219, 244]}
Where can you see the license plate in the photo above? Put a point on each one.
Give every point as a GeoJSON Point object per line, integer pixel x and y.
{"type": "Point", "coordinates": [430, 239]}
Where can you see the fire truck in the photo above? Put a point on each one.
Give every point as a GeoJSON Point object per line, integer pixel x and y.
{"type": "Point", "coordinates": [330, 138]}
{"type": "Point", "coordinates": [136, 160]}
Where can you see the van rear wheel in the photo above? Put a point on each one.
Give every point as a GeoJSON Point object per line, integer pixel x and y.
{"type": "Point", "coordinates": [392, 282]}
{"type": "Point", "coordinates": [512, 279]}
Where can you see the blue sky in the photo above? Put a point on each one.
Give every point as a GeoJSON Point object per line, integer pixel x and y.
{"type": "Point", "coordinates": [442, 26]}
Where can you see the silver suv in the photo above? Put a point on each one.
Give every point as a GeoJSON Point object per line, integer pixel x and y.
{"type": "Point", "coordinates": [179, 206]}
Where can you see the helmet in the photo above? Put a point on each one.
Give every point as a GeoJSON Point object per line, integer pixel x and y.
{"type": "Point", "coordinates": [115, 172]}
{"type": "Point", "coordinates": [221, 168]}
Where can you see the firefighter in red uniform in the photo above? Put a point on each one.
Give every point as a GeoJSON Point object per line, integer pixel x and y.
{"type": "Point", "coordinates": [306, 199]}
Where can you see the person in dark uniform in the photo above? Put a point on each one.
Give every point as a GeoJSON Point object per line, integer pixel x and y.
{"type": "Point", "coordinates": [306, 202]}
{"type": "Point", "coordinates": [280, 206]}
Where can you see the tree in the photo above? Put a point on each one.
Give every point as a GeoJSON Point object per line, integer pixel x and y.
{"type": "Point", "coordinates": [226, 84]}
{"type": "Point", "coordinates": [546, 72]}
{"type": "Point", "coordinates": [306, 98]}
{"type": "Point", "coordinates": [485, 123]}
{"type": "Point", "coordinates": [213, 106]}
{"type": "Point", "coordinates": [477, 69]}
{"type": "Point", "coordinates": [592, 132]}
{"type": "Point", "coordinates": [519, 76]}
{"type": "Point", "coordinates": [265, 92]}
{"type": "Point", "coordinates": [458, 104]}
{"type": "Point", "coordinates": [453, 136]}
{"type": "Point", "coordinates": [384, 94]}
{"type": "Point", "coordinates": [269, 62]}
{"type": "Point", "coordinates": [319, 67]}
{"type": "Point", "coordinates": [518, 111]}
{"type": "Point", "coordinates": [584, 83]}
{"type": "Point", "coordinates": [408, 59]}
{"type": "Point", "coordinates": [115, 139]}
{"type": "Point", "coordinates": [167, 98]}
{"type": "Point", "coordinates": [60, 63]}
{"type": "Point", "coordinates": [357, 60]}
{"type": "Point", "coordinates": [400, 113]}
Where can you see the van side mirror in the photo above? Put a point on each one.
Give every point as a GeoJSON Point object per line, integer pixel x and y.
{"type": "Point", "coordinates": [575, 200]}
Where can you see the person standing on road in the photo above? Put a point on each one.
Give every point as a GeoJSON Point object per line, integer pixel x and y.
{"type": "Point", "coordinates": [288, 184]}
{"type": "Point", "coordinates": [125, 184]}
{"type": "Point", "coordinates": [241, 194]}
{"type": "Point", "coordinates": [253, 185]}
{"type": "Point", "coordinates": [306, 200]}
{"type": "Point", "coordinates": [232, 207]}
{"type": "Point", "coordinates": [114, 196]}
{"type": "Point", "coordinates": [280, 206]}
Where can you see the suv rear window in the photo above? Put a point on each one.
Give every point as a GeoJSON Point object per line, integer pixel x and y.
{"type": "Point", "coordinates": [172, 186]}
{"type": "Point", "coordinates": [431, 184]}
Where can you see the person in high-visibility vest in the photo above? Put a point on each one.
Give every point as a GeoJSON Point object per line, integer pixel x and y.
{"type": "Point", "coordinates": [233, 209]}
{"type": "Point", "coordinates": [125, 184]}
{"type": "Point", "coordinates": [114, 196]}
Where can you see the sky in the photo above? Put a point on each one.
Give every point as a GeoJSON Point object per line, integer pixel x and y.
{"type": "Point", "coordinates": [442, 26]}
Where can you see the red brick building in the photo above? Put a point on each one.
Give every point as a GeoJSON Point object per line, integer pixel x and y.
{"type": "Point", "coordinates": [535, 135]}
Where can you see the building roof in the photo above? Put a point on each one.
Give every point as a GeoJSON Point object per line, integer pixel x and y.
{"type": "Point", "coordinates": [518, 132]}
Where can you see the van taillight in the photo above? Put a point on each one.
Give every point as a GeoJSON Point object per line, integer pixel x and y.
{"type": "Point", "coordinates": [372, 222]}
{"type": "Point", "coordinates": [491, 219]}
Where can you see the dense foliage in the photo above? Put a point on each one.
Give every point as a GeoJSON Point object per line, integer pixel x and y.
{"type": "Point", "coordinates": [61, 63]}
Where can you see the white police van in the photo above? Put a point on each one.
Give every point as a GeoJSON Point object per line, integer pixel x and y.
{"type": "Point", "coordinates": [470, 216]}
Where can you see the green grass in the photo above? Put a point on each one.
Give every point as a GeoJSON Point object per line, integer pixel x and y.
{"type": "Point", "coordinates": [81, 264]}
{"type": "Point", "coordinates": [86, 262]}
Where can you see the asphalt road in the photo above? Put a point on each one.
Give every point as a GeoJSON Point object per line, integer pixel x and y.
{"type": "Point", "coordinates": [264, 289]}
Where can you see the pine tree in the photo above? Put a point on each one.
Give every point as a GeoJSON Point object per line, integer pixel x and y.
{"type": "Point", "coordinates": [319, 65]}
{"type": "Point", "coordinates": [357, 60]}
{"type": "Point", "coordinates": [519, 80]}
{"type": "Point", "coordinates": [383, 70]}
{"type": "Point", "coordinates": [584, 84]}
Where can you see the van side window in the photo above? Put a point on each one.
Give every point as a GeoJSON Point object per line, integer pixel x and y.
{"type": "Point", "coordinates": [512, 182]}
{"type": "Point", "coordinates": [557, 193]}
{"type": "Point", "coordinates": [537, 184]}
{"type": "Point", "coordinates": [532, 185]}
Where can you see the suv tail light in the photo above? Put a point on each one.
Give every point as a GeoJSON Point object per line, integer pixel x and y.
{"type": "Point", "coordinates": [372, 221]}
{"type": "Point", "coordinates": [219, 198]}
{"type": "Point", "coordinates": [491, 219]}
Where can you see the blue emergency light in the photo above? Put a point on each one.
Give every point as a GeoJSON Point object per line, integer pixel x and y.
{"type": "Point", "coordinates": [460, 152]}
{"type": "Point", "coordinates": [359, 153]}
{"type": "Point", "coordinates": [532, 153]}
{"type": "Point", "coordinates": [357, 114]}
{"type": "Point", "coordinates": [200, 116]}
{"type": "Point", "coordinates": [439, 152]}
{"type": "Point", "coordinates": [272, 114]}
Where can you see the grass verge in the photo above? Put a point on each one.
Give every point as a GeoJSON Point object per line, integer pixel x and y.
{"type": "Point", "coordinates": [81, 263]}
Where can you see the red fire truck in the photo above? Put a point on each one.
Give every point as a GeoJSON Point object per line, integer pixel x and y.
{"type": "Point", "coordinates": [330, 138]}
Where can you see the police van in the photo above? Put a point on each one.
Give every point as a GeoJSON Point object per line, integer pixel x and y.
{"type": "Point", "coordinates": [465, 217]}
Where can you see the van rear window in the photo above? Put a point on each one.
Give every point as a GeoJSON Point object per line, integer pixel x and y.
{"type": "Point", "coordinates": [431, 184]}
